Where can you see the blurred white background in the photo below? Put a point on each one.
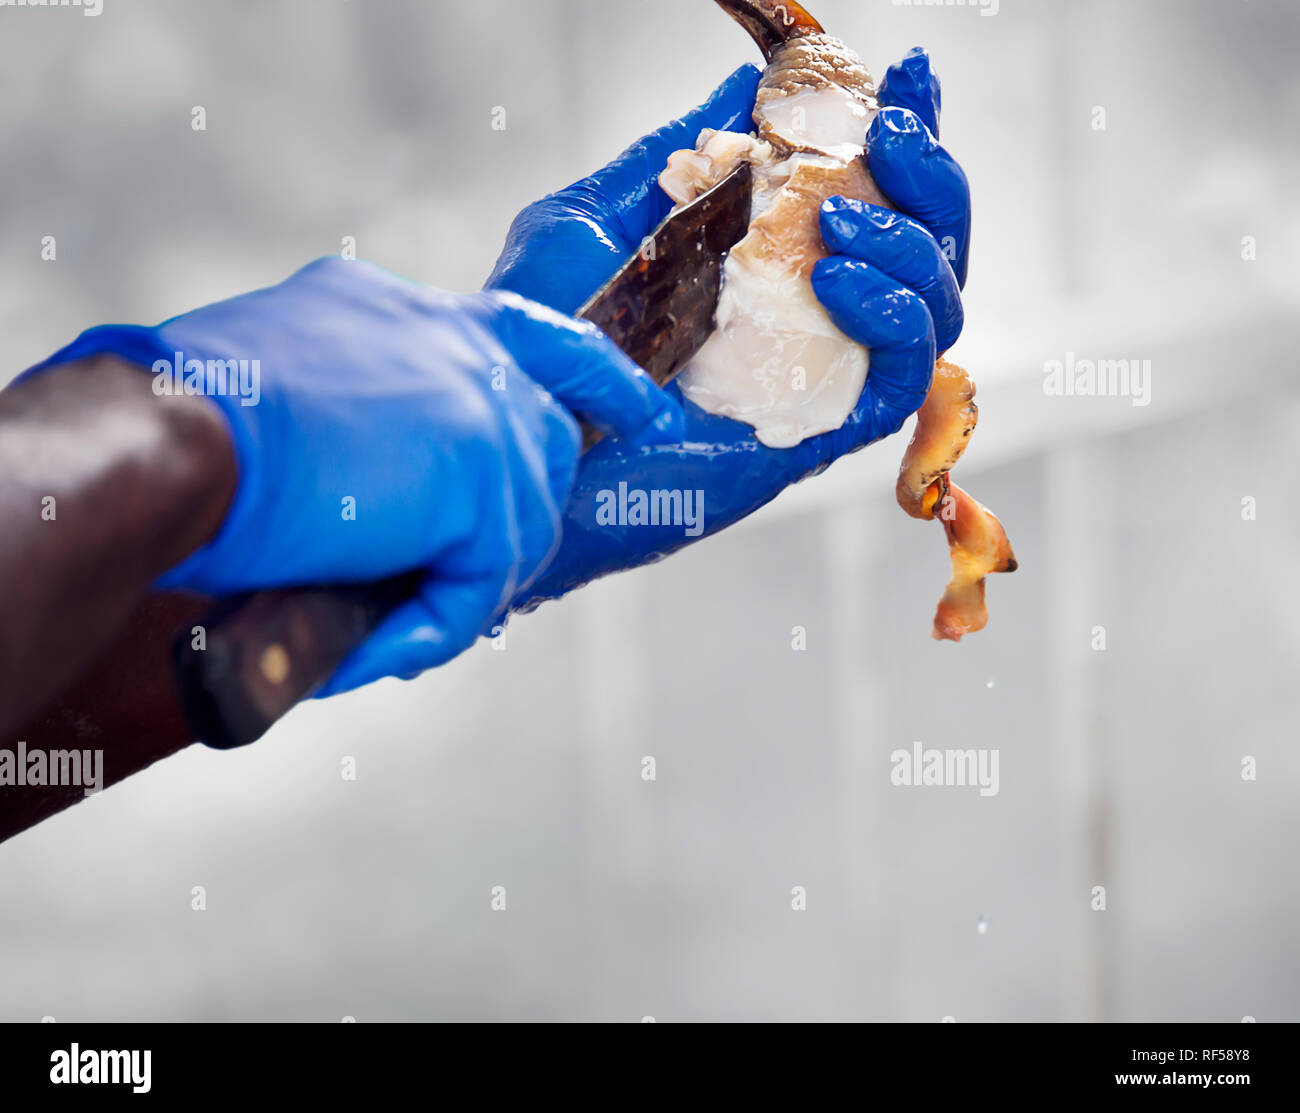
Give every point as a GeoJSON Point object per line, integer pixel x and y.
{"type": "Point", "coordinates": [1122, 768]}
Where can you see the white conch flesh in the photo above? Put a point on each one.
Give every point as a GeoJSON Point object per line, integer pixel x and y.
{"type": "Point", "coordinates": [775, 359]}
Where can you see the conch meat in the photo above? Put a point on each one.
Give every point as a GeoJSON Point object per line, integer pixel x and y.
{"type": "Point", "coordinates": [775, 360]}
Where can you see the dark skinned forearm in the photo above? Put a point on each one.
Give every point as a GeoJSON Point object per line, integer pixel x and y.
{"type": "Point", "coordinates": [105, 486]}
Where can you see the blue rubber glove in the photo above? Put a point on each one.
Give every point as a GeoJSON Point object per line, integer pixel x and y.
{"type": "Point", "coordinates": [397, 427]}
{"type": "Point", "coordinates": [892, 285]}
{"type": "Point", "coordinates": [564, 247]}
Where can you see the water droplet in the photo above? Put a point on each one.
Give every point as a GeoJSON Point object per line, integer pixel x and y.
{"type": "Point", "coordinates": [983, 926]}
{"type": "Point", "coordinates": [990, 684]}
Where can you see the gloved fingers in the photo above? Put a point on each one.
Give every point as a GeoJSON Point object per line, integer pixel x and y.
{"type": "Point", "coordinates": [585, 371]}
{"type": "Point", "coordinates": [563, 248]}
{"type": "Point", "coordinates": [923, 180]}
{"type": "Point", "coordinates": [629, 182]}
{"type": "Point", "coordinates": [872, 308]}
{"type": "Point", "coordinates": [912, 83]}
{"type": "Point", "coordinates": [558, 254]}
{"type": "Point", "coordinates": [444, 620]}
{"type": "Point", "coordinates": [902, 249]}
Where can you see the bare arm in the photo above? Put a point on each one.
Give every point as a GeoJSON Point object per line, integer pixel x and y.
{"type": "Point", "coordinates": [106, 486]}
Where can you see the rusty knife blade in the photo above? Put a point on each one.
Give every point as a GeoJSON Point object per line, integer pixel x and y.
{"type": "Point", "coordinates": [659, 307]}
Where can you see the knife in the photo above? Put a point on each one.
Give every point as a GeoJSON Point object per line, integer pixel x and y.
{"type": "Point", "coordinates": [266, 651]}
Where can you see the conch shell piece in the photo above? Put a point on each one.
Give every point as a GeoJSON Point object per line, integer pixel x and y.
{"type": "Point", "coordinates": [771, 24]}
{"type": "Point", "coordinates": [977, 543]}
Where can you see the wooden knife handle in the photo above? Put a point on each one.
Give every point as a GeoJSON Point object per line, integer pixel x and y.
{"type": "Point", "coordinates": [260, 654]}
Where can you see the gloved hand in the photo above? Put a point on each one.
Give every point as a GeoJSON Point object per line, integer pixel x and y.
{"type": "Point", "coordinates": [893, 285]}
{"type": "Point", "coordinates": [397, 427]}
